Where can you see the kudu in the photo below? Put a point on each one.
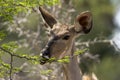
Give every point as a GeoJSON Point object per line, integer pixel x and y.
{"type": "Point", "coordinates": [62, 40]}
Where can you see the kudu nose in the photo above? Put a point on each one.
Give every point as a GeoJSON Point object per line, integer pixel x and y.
{"type": "Point", "coordinates": [46, 51]}
{"type": "Point", "coordinates": [45, 56]}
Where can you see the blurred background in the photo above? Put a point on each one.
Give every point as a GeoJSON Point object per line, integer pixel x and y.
{"type": "Point", "coordinates": [27, 30]}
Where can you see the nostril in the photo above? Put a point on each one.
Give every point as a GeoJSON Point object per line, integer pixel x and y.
{"type": "Point", "coordinates": [46, 54]}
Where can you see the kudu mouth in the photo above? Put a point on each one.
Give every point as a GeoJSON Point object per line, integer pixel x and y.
{"type": "Point", "coordinates": [46, 53]}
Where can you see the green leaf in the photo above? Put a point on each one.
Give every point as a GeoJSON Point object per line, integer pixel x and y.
{"type": "Point", "coordinates": [10, 8]}
{"type": "Point", "coordinates": [78, 52]}
{"type": "Point", "coordinates": [2, 35]}
{"type": "Point", "coordinates": [66, 59]}
{"type": "Point", "coordinates": [45, 72]}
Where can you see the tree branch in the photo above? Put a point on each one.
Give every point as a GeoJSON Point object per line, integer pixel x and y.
{"type": "Point", "coordinates": [13, 54]}
{"type": "Point", "coordinates": [11, 66]}
{"type": "Point", "coordinates": [87, 43]}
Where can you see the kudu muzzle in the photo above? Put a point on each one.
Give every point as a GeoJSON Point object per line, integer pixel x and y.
{"type": "Point", "coordinates": [45, 54]}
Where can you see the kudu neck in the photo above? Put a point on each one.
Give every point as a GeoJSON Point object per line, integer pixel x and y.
{"type": "Point", "coordinates": [71, 69]}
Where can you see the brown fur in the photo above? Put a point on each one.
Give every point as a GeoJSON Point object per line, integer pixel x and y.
{"type": "Point", "coordinates": [61, 41]}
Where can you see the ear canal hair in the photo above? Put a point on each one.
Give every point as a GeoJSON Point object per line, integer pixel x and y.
{"type": "Point", "coordinates": [83, 22]}
{"type": "Point", "coordinates": [49, 19]}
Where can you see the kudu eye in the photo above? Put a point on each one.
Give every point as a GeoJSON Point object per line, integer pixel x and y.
{"type": "Point", "coordinates": [66, 37]}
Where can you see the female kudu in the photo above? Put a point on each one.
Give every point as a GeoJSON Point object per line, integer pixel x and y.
{"type": "Point", "coordinates": [62, 39]}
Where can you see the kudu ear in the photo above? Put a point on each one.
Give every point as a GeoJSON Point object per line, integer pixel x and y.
{"type": "Point", "coordinates": [83, 22]}
{"type": "Point", "coordinates": [49, 19]}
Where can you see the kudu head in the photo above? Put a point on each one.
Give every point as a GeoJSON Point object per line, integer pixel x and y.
{"type": "Point", "coordinates": [62, 36]}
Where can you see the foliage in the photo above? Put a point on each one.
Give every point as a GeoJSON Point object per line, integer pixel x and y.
{"type": "Point", "coordinates": [2, 35]}
{"type": "Point", "coordinates": [8, 68]}
{"type": "Point", "coordinates": [66, 59]}
{"type": "Point", "coordinates": [45, 72]}
{"type": "Point", "coordinates": [10, 8]}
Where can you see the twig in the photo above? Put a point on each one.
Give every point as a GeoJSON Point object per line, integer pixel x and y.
{"type": "Point", "coordinates": [5, 50]}
{"type": "Point", "coordinates": [11, 60]}
{"type": "Point", "coordinates": [87, 43]}
{"type": "Point", "coordinates": [13, 54]}
{"type": "Point", "coordinates": [11, 66]}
